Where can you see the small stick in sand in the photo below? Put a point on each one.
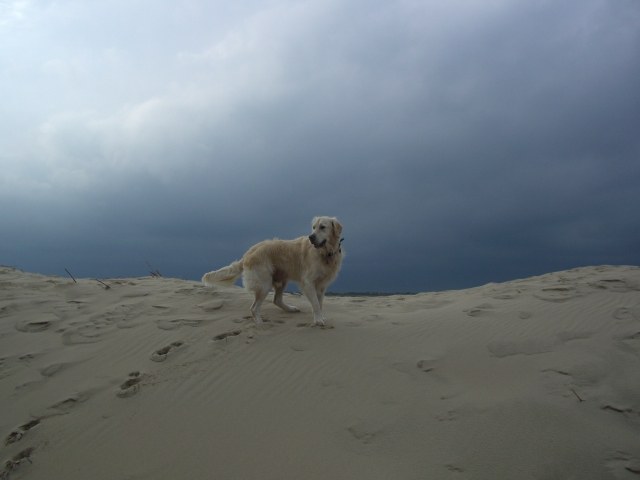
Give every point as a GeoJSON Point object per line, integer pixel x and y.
{"type": "Point", "coordinates": [74, 280]}
{"type": "Point", "coordinates": [574, 392]}
{"type": "Point", "coordinates": [106, 287]}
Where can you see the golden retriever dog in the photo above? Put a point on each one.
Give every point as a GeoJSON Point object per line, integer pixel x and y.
{"type": "Point", "coordinates": [312, 262]}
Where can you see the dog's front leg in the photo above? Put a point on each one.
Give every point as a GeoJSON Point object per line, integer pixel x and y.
{"type": "Point", "coordinates": [320, 294]}
{"type": "Point", "coordinates": [310, 292]}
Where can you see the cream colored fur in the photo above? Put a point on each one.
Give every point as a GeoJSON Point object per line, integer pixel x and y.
{"type": "Point", "coordinates": [312, 262]}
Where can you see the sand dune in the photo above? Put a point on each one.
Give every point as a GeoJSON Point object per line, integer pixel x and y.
{"type": "Point", "coordinates": [158, 378]}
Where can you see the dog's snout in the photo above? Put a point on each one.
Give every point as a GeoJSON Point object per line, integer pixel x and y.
{"type": "Point", "coordinates": [312, 238]}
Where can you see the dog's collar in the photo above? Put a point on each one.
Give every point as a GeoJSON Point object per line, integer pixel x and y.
{"type": "Point", "coordinates": [329, 255]}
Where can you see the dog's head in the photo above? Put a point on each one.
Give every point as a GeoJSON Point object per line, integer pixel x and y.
{"type": "Point", "coordinates": [326, 233]}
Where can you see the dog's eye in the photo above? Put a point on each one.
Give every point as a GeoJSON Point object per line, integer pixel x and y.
{"type": "Point", "coordinates": [322, 227]}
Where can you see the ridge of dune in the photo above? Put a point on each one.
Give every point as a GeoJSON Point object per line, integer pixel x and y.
{"type": "Point", "coordinates": [157, 378]}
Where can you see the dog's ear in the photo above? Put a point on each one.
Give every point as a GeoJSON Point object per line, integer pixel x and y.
{"type": "Point", "coordinates": [337, 228]}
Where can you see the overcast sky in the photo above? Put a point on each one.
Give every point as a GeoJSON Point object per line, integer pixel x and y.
{"type": "Point", "coordinates": [459, 142]}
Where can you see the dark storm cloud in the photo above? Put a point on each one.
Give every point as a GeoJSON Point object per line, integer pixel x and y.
{"type": "Point", "coordinates": [459, 142]}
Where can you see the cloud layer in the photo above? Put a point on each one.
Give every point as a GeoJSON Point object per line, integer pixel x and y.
{"type": "Point", "coordinates": [459, 142]}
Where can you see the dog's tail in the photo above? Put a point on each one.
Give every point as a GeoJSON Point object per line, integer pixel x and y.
{"type": "Point", "coordinates": [225, 277]}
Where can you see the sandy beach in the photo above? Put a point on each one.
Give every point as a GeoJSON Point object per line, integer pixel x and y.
{"type": "Point", "coordinates": [158, 378]}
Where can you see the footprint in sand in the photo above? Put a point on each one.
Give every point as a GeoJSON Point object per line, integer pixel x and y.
{"type": "Point", "coordinates": [19, 432]}
{"type": "Point", "coordinates": [365, 431]}
{"type": "Point", "coordinates": [127, 323]}
{"type": "Point", "coordinates": [628, 343]}
{"type": "Point", "coordinates": [506, 295]}
{"type": "Point", "coordinates": [225, 335]}
{"type": "Point", "coordinates": [28, 386]}
{"type": "Point", "coordinates": [81, 335]}
{"type": "Point", "coordinates": [566, 336]}
{"type": "Point", "coordinates": [299, 346]}
{"type": "Point", "coordinates": [425, 365]}
{"type": "Point", "coordinates": [176, 323]}
{"type": "Point", "coordinates": [15, 461]}
{"type": "Point", "coordinates": [479, 310]}
{"type": "Point", "coordinates": [449, 416]}
{"type": "Point", "coordinates": [627, 313]}
{"type": "Point", "coordinates": [454, 469]}
{"type": "Point", "coordinates": [520, 347]}
{"type": "Point", "coordinates": [622, 463]}
{"type": "Point", "coordinates": [63, 407]}
{"type": "Point", "coordinates": [161, 355]}
{"type": "Point", "coordinates": [51, 370]}
{"type": "Point", "coordinates": [633, 466]}
{"type": "Point", "coordinates": [534, 346]}
{"type": "Point", "coordinates": [34, 326]}
{"type": "Point", "coordinates": [615, 285]}
{"type": "Point", "coordinates": [211, 305]}
{"type": "Point", "coordinates": [131, 386]}
{"type": "Point", "coordinates": [557, 294]}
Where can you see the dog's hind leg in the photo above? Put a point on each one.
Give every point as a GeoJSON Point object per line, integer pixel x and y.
{"type": "Point", "coordinates": [257, 281]}
{"type": "Point", "coordinates": [278, 291]}
{"type": "Point", "coordinates": [260, 295]}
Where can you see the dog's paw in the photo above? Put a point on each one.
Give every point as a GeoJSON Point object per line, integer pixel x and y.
{"type": "Point", "coordinates": [293, 309]}
{"type": "Point", "coordinates": [320, 321]}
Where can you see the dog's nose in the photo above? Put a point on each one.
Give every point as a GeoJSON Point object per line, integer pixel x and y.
{"type": "Point", "coordinates": [312, 238]}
